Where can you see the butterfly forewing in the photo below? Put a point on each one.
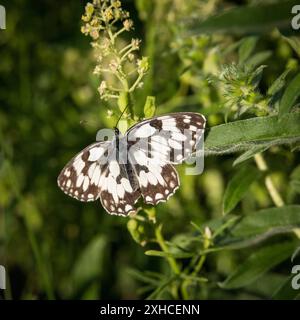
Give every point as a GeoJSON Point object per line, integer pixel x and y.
{"type": "Point", "coordinates": [169, 138]}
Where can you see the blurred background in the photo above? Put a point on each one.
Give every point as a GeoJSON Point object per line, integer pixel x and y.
{"type": "Point", "coordinates": [55, 247]}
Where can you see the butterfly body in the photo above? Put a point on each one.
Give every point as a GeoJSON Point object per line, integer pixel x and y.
{"type": "Point", "coordinates": [138, 164]}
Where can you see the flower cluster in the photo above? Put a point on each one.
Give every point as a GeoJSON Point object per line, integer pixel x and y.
{"type": "Point", "coordinates": [118, 67]}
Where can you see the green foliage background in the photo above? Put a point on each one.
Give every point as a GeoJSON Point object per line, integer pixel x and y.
{"type": "Point", "coordinates": [227, 234]}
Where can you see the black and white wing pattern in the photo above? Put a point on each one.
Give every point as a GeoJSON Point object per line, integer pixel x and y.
{"type": "Point", "coordinates": [95, 173]}
{"type": "Point", "coordinates": [139, 164]}
{"type": "Point", "coordinates": [157, 182]}
{"type": "Point", "coordinates": [80, 178]}
{"type": "Point", "coordinates": [171, 138]}
{"type": "Point", "coordinates": [119, 188]}
{"type": "Point", "coordinates": [156, 144]}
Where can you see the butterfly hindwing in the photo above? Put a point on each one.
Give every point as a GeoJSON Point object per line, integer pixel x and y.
{"type": "Point", "coordinates": [119, 188]}
{"type": "Point", "coordinates": [80, 178]}
{"type": "Point", "coordinates": [157, 182]}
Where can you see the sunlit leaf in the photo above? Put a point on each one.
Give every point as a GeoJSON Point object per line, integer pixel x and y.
{"type": "Point", "coordinates": [149, 108]}
{"type": "Point", "coordinates": [254, 228]}
{"type": "Point", "coordinates": [245, 134]}
{"type": "Point", "coordinates": [270, 220]}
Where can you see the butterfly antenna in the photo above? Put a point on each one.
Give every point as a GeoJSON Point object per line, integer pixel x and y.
{"type": "Point", "coordinates": [121, 116]}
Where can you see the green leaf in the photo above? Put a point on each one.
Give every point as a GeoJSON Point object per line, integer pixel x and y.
{"type": "Point", "coordinates": [247, 231]}
{"type": "Point", "coordinates": [294, 42]}
{"type": "Point", "coordinates": [247, 19]}
{"type": "Point", "coordinates": [143, 277]}
{"type": "Point", "coordinates": [232, 47]}
{"type": "Point", "coordinates": [258, 263]}
{"type": "Point", "coordinates": [163, 254]}
{"type": "Point", "coordinates": [256, 227]}
{"type": "Point", "coordinates": [90, 264]}
{"type": "Point", "coordinates": [183, 243]}
{"type": "Point", "coordinates": [291, 94]}
{"type": "Point", "coordinates": [267, 222]}
{"type": "Point", "coordinates": [155, 294]}
{"type": "Point", "coordinates": [258, 59]}
{"type": "Point", "coordinates": [238, 186]}
{"type": "Point", "coordinates": [193, 278]}
{"type": "Point", "coordinates": [249, 154]}
{"type": "Point", "coordinates": [266, 285]}
{"type": "Point", "coordinates": [278, 84]}
{"type": "Point", "coordinates": [256, 76]}
{"type": "Point", "coordinates": [149, 108]}
{"type": "Point", "coordinates": [246, 134]}
{"type": "Point", "coordinates": [247, 46]}
{"type": "Point", "coordinates": [295, 179]}
{"type": "Point", "coordinates": [285, 290]}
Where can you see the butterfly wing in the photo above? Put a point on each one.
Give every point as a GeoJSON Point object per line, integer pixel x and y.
{"type": "Point", "coordinates": [119, 188]}
{"type": "Point", "coordinates": [152, 146]}
{"type": "Point", "coordinates": [155, 144]}
{"type": "Point", "coordinates": [170, 138]}
{"type": "Point", "coordinates": [158, 182]}
{"type": "Point", "coordinates": [80, 178]}
{"type": "Point", "coordinates": [94, 173]}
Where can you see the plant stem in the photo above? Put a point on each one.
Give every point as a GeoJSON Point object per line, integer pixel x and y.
{"type": "Point", "coordinates": [125, 49]}
{"type": "Point", "coordinates": [274, 194]}
{"type": "Point", "coordinates": [172, 262]}
{"type": "Point", "coordinates": [206, 244]}
{"type": "Point", "coordinates": [126, 54]}
{"type": "Point", "coordinates": [119, 32]}
{"type": "Point", "coordinates": [136, 82]}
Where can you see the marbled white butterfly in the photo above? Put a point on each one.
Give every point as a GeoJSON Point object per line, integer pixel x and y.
{"type": "Point", "coordinates": [140, 163]}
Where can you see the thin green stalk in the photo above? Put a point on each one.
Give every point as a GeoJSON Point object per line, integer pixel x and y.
{"type": "Point", "coordinates": [125, 49]}
{"type": "Point", "coordinates": [206, 244]}
{"type": "Point", "coordinates": [274, 194]}
{"type": "Point", "coordinates": [138, 80]}
{"type": "Point", "coordinates": [172, 262]}
{"type": "Point", "coordinates": [119, 32]}
{"type": "Point", "coordinates": [125, 55]}
{"type": "Point", "coordinates": [154, 294]}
